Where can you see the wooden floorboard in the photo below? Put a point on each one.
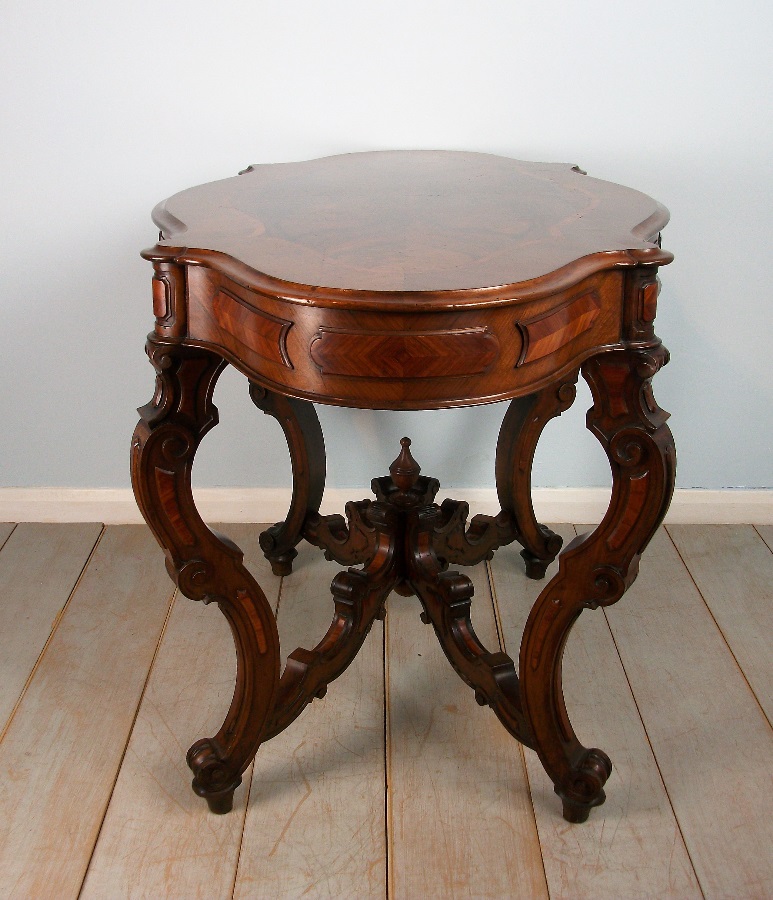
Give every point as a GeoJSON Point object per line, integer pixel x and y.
{"type": "Point", "coordinates": [39, 567]}
{"type": "Point", "coordinates": [315, 823]}
{"type": "Point", "coordinates": [766, 533]}
{"type": "Point", "coordinates": [6, 529]}
{"type": "Point", "coordinates": [63, 748]}
{"type": "Point", "coordinates": [461, 821]}
{"type": "Point", "coordinates": [712, 742]}
{"type": "Point", "coordinates": [733, 569]}
{"type": "Point", "coordinates": [691, 748]}
{"type": "Point", "coordinates": [158, 838]}
{"type": "Point", "coordinates": [631, 846]}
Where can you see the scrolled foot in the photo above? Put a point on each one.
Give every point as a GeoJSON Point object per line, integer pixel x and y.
{"type": "Point", "coordinates": [584, 789]}
{"type": "Point", "coordinates": [212, 778]}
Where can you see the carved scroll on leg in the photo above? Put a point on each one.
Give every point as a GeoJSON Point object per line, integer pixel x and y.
{"type": "Point", "coordinates": [522, 426]}
{"type": "Point", "coordinates": [306, 444]}
{"type": "Point", "coordinates": [446, 598]}
{"type": "Point", "coordinates": [458, 544]}
{"type": "Point", "coordinates": [205, 566]}
{"type": "Point", "coordinates": [596, 569]}
{"type": "Point", "coordinates": [359, 595]}
{"type": "Point", "coordinates": [349, 541]}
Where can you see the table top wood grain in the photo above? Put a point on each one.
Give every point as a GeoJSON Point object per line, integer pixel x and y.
{"type": "Point", "coordinates": [431, 222]}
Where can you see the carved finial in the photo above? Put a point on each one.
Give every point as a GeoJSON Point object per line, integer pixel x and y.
{"type": "Point", "coordinates": [405, 470]}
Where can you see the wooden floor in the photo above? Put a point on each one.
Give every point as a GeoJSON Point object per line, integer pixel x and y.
{"type": "Point", "coordinates": [397, 784]}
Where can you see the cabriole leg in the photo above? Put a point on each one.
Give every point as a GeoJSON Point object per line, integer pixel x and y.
{"type": "Point", "coordinates": [596, 569]}
{"type": "Point", "coordinates": [206, 566]}
{"type": "Point", "coordinates": [522, 426]}
{"type": "Point", "coordinates": [306, 444]}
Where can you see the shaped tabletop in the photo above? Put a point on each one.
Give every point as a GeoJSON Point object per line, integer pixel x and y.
{"type": "Point", "coordinates": [411, 221]}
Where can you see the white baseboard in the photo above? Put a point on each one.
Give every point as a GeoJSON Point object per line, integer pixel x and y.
{"type": "Point", "coordinates": [577, 505]}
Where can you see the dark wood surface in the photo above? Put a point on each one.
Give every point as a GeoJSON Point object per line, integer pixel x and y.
{"type": "Point", "coordinates": [431, 221]}
{"type": "Point", "coordinates": [408, 280]}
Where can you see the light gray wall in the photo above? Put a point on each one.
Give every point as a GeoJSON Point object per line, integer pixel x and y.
{"type": "Point", "coordinates": [109, 107]}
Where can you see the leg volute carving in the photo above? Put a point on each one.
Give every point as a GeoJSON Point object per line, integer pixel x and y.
{"type": "Point", "coordinates": [522, 426]}
{"type": "Point", "coordinates": [205, 566]}
{"type": "Point", "coordinates": [350, 541]}
{"type": "Point", "coordinates": [457, 544]}
{"type": "Point", "coordinates": [446, 598]}
{"type": "Point", "coordinates": [596, 569]}
{"type": "Point", "coordinates": [359, 596]}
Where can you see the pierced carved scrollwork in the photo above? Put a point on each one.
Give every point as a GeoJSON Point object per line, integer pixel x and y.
{"type": "Point", "coordinates": [398, 534]}
{"type": "Point", "coordinates": [456, 544]}
{"type": "Point", "coordinates": [596, 569]}
{"type": "Point", "coordinates": [406, 511]}
{"type": "Point", "coordinates": [351, 541]}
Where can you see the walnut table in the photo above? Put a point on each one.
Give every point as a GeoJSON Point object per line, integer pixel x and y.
{"type": "Point", "coordinates": [407, 280]}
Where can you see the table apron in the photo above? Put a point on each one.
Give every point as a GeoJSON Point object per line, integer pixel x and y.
{"type": "Point", "coordinates": [406, 359]}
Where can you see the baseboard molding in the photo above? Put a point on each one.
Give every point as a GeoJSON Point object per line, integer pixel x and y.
{"type": "Point", "coordinates": [578, 505]}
